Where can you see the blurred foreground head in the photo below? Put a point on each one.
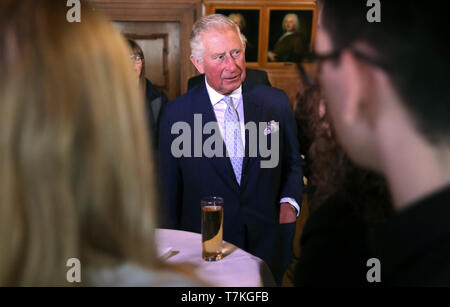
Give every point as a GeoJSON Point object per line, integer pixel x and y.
{"type": "Point", "coordinates": [386, 79]}
{"type": "Point", "coordinates": [76, 179]}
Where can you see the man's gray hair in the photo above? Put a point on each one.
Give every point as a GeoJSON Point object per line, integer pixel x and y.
{"type": "Point", "coordinates": [206, 23]}
{"type": "Point", "coordinates": [296, 22]}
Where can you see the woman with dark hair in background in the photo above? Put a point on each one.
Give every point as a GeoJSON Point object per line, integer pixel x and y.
{"type": "Point", "coordinates": [345, 201]}
{"type": "Point", "coordinates": [155, 99]}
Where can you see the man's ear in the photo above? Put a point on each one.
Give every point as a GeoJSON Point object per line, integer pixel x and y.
{"type": "Point", "coordinates": [197, 64]}
{"type": "Point", "coordinates": [354, 87]}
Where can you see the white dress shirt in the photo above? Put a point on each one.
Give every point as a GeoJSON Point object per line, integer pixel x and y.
{"type": "Point", "coordinates": [219, 107]}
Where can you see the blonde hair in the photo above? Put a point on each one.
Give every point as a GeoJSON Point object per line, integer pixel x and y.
{"type": "Point", "coordinates": [206, 23]}
{"type": "Point", "coordinates": [76, 176]}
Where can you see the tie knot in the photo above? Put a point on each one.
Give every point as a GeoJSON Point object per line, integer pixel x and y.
{"type": "Point", "coordinates": [229, 101]}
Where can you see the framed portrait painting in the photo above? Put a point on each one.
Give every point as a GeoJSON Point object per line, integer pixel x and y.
{"type": "Point", "coordinates": [248, 22]}
{"type": "Point", "coordinates": [278, 33]}
{"type": "Point", "coordinates": [289, 37]}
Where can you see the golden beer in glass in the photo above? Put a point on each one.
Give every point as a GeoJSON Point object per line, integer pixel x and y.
{"type": "Point", "coordinates": [212, 228]}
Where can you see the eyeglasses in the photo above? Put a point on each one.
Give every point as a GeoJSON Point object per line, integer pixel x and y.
{"type": "Point", "coordinates": [336, 54]}
{"type": "Point", "coordinates": [136, 58]}
{"type": "Point", "coordinates": [320, 58]}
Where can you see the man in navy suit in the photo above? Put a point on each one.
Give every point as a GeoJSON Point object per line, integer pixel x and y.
{"type": "Point", "coordinates": [261, 192]}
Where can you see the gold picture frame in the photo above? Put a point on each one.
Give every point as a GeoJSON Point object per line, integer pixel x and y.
{"type": "Point", "coordinates": [269, 26]}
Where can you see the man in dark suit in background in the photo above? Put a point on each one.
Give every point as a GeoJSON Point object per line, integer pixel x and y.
{"type": "Point", "coordinates": [261, 200]}
{"type": "Point", "coordinates": [256, 76]}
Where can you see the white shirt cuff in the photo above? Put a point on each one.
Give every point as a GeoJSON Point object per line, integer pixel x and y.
{"type": "Point", "coordinates": [292, 202]}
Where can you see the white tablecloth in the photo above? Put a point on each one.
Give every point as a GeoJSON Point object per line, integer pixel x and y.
{"type": "Point", "coordinates": [237, 269]}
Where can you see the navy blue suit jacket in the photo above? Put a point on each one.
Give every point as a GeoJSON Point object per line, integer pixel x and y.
{"type": "Point", "coordinates": [251, 210]}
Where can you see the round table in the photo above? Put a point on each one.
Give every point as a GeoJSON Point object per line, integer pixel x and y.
{"type": "Point", "coordinates": [237, 268]}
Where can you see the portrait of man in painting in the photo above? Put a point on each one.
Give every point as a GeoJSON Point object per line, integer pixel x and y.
{"type": "Point", "coordinates": [289, 35]}
{"type": "Point", "coordinates": [248, 22]}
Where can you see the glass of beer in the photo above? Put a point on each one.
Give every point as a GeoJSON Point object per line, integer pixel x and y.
{"type": "Point", "coordinates": [212, 228]}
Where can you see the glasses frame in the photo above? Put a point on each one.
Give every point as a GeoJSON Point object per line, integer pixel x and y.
{"type": "Point", "coordinates": [335, 55]}
{"type": "Point", "coordinates": [136, 58]}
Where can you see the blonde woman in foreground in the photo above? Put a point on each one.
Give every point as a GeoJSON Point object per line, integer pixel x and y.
{"type": "Point", "coordinates": [76, 179]}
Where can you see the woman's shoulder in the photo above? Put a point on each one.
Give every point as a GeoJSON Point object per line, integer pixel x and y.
{"type": "Point", "coordinates": [132, 275]}
{"type": "Point", "coordinates": [153, 93]}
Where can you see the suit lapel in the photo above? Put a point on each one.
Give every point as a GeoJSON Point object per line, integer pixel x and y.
{"type": "Point", "coordinates": [202, 105]}
{"type": "Point", "coordinates": [252, 113]}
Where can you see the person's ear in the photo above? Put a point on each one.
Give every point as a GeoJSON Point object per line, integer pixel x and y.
{"type": "Point", "coordinates": [197, 64]}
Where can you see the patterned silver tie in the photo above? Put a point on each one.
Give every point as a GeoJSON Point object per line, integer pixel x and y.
{"type": "Point", "coordinates": [233, 141]}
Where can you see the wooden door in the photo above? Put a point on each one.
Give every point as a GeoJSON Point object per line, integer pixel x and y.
{"type": "Point", "coordinates": [160, 43]}
{"type": "Point", "coordinates": [162, 29]}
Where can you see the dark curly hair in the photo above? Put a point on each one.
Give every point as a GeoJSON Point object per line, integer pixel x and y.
{"type": "Point", "coordinates": [328, 169]}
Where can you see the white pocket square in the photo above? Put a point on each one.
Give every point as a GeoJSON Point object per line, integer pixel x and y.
{"type": "Point", "coordinates": [272, 127]}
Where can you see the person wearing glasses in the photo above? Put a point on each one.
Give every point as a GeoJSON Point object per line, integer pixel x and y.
{"type": "Point", "coordinates": [386, 87]}
{"type": "Point", "coordinates": [155, 99]}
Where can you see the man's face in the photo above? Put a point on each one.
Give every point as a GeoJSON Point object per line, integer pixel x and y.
{"type": "Point", "coordinates": [330, 72]}
{"type": "Point", "coordinates": [289, 24]}
{"type": "Point", "coordinates": [338, 82]}
{"type": "Point", "coordinates": [223, 60]}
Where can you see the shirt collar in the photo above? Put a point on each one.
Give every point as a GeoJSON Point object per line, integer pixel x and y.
{"type": "Point", "coordinates": [216, 97]}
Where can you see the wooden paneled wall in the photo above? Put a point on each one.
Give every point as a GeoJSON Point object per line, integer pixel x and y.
{"type": "Point", "coordinates": [289, 79]}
